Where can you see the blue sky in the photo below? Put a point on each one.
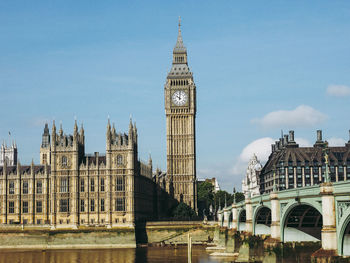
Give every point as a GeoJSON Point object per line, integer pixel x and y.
{"type": "Point", "coordinates": [260, 67]}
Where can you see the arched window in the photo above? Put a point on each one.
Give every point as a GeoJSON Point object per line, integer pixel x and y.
{"type": "Point", "coordinates": [64, 161]}
{"type": "Point", "coordinates": [119, 160]}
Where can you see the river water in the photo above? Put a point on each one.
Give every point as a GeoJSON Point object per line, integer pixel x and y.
{"type": "Point", "coordinates": [145, 255]}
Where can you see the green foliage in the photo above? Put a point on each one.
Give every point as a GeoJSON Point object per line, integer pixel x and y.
{"type": "Point", "coordinates": [220, 197]}
{"type": "Point", "coordinates": [207, 197]}
{"type": "Point", "coordinates": [184, 212]}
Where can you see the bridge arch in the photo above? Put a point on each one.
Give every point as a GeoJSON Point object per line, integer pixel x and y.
{"type": "Point", "coordinates": [344, 234]}
{"type": "Point", "coordinates": [262, 220]}
{"type": "Point", "coordinates": [301, 221]}
{"type": "Point", "coordinates": [241, 220]}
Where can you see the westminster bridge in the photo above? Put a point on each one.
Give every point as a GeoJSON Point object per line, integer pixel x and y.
{"type": "Point", "coordinates": [314, 213]}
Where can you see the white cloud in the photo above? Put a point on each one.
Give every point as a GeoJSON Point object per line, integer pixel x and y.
{"type": "Point", "coordinates": [260, 147]}
{"type": "Point", "coordinates": [301, 116]}
{"type": "Point", "coordinates": [336, 141]}
{"type": "Point", "coordinates": [338, 90]}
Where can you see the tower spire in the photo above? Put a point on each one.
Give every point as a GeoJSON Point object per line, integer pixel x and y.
{"type": "Point", "coordinates": [179, 47]}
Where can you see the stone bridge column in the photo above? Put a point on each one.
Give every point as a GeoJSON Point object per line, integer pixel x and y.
{"type": "Point", "coordinates": [226, 210]}
{"type": "Point", "coordinates": [234, 218]}
{"type": "Point", "coordinates": [275, 217]}
{"type": "Point", "coordinates": [220, 215]}
{"type": "Point", "coordinates": [249, 216]}
{"type": "Point", "coordinates": [329, 231]}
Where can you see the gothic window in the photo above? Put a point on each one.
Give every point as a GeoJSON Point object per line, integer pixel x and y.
{"type": "Point", "coordinates": [120, 184]}
{"type": "Point", "coordinates": [64, 185]}
{"type": "Point", "coordinates": [25, 187]}
{"type": "Point", "coordinates": [102, 205]}
{"type": "Point", "coordinates": [92, 205]}
{"type": "Point", "coordinates": [64, 161]}
{"type": "Point", "coordinates": [119, 160]}
{"type": "Point", "coordinates": [11, 187]}
{"type": "Point", "coordinates": [39, 187]}
{"type": "Point", "coordinates": [92, 185]}
{"type": "Point", "coordinates": [25, 207]}
{"type": "Point", "coordinates": [102, 184]}
{"type": "Point", "coordinates": [39, 206]}
{"type": "Point", "coordinates": [11, 207]}
{"type": "Point", "coordinates": [82, 185]}
{"type": "Point", "coordinates": [64, 205]}
{"type": "Point", "coordinates": [82, 205]}
{"type": "Point", "coordinates": [120, 204]}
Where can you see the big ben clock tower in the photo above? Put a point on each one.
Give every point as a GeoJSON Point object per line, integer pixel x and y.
{"type": "Point", "coordinates": [180, 110]}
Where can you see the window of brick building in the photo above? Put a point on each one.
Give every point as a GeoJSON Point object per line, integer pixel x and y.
{"type": "Point", "coordinates": [25, 207]}
{"type": "Point", "coordinates": [102, 205]}
{"type": "Point", "coordinates": [102, 184]}
{"type": "Point", "coordinates": [64, 205]}
{"type": "Point", "coordinates": [120, 204]}
{"type": "Point", "coordinates": [11, 207]}
{"type": "Point", "coordinates": [25, 187]}
{"type": "Point", "coordinates": [82, 205]}
{"type": "Point", "coordinates": [11, 187]}
{"type": "Point", "coordinates": [92, 205]}
{"type": "Point", "coordinates": [92, 185]}
{"type": "Point", "coordinates": [39, 187]}
{"type": "Point", "coordinates": [120, 184]}
{"type": "Point", "coordinates": [39, 206]}
{"type": "Point", "coordinates": [82, 185]}
{"type": "Point", "coordinates": [64, 185]}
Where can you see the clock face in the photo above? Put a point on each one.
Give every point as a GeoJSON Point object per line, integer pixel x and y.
{"type": "Point", "coordinates": [179, 98]}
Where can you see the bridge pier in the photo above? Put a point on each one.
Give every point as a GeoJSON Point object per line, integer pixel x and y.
{"type": "Point", "coordinates": [226, 210]}
{"type": "Point", "coordinates": [220, 215]}
{"type": "Point", "coordinates": [234, 218]}
{"type": "Point", "coordinates": [249, 216]}
{"type": "Point", "coordinates": [275, 217]}
{"type": "Point", "coordinates": [329, 231]}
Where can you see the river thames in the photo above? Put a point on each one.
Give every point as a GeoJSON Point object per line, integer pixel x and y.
{"type": "Point", "coordinates": [148, 254]}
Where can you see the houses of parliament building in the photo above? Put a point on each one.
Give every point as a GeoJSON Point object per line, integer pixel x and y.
{"type": "Point", "coordinates": [71, 188]}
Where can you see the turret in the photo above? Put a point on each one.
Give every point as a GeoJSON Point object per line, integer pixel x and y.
{"type": "Point", "coordinates": [131, 135]}
{"type": "Point", "coordinates": [82, 134]}
{"type": "Point", "coordinates": [53, 136]}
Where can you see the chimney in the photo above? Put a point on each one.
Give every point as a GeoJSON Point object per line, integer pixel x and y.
{"type": "Point", "coordinates": [291, 136]}
{"type": "Point", "coordinates": [319, 135]}
{"type": "Point", "coordinates": [281, 143]}
{"type": "Point", "coordinates": [273, 147]}
{"type": "Point", "coordinates": [285, 139]}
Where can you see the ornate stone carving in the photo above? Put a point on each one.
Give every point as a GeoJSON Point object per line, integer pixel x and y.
{"type": "Point", "coordinates": [283, 206]}
{"type": "Point", "coordinates": [342, 207]}
{"type": "Point", "coordinates": [250, 182]}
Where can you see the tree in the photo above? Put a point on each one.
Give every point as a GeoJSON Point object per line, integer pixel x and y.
{"type": "Point", "coordinates": [205, 197]}
{"type": "Point", "coordinates": [184, 212]}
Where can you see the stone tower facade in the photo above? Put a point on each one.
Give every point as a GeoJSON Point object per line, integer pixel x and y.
{"type": "Point", "coordinates": [180, 110]}
{"type": "Point", "coordinates": [45, 148]}
{"type": "Point", "coordinates": [8, 154]}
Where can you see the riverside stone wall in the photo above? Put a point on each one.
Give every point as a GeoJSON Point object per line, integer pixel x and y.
{"type": "Point", "coordinates": [63, 239]}
{"type": "Point", "coordinates": [151, 233]}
